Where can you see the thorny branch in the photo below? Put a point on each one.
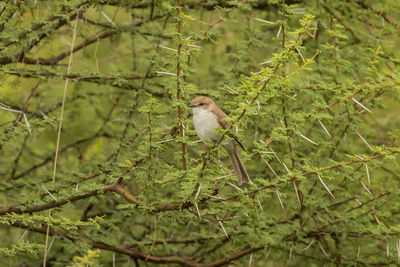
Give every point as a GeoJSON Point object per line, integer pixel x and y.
{"type": "Point", "coordinates": [123, 191]}
{"type": "Point", "coordinates": [117, 188]}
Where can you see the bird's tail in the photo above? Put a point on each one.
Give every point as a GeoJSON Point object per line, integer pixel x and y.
{"type": "Point", "coordinates": [241, 173]}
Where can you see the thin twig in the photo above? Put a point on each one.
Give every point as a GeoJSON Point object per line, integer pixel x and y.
{"type": "Point", "coordinates": [59, 132]}
{"type": "Point", "coordinates": [178, 84]}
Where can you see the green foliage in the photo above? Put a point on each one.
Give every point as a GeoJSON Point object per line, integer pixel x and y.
{"type": "Point", "coordinates": [88, 260]}
{"type": "Point", "coordinates": [312, 89]}
{"type": "Point", "coordinates": [22, 247]}
{"type": "Point", "coordinates": [37, 220]}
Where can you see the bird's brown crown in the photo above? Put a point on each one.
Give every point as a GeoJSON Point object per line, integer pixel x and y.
{"type": "Point", "coordinates": [201, 100]}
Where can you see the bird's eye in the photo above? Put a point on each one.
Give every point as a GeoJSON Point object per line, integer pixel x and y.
{"type": "Point", "coordinates": [201, 104]}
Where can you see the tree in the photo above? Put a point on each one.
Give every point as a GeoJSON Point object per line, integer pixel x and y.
{"type": "Point", "coordinates": [100, 164]}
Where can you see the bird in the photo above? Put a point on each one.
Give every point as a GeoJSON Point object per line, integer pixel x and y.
{"type": "Point", "coordinates": [207, 116]}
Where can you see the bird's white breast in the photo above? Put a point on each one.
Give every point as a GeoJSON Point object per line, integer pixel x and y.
{"type": "Point", "coordinates": [205, 123]}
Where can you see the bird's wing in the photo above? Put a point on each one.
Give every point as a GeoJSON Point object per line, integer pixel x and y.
{"type": "Point", "coordinates": [224, 125]}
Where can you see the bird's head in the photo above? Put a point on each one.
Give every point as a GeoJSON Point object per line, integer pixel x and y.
{"type": "Point", "coordinates": [201, 102]}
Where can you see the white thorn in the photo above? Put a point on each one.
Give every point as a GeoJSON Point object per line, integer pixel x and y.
{"type": "Point", "coordinates": [361, 105]}
{"type": "Point", "coordinates": [365, 141]}
{"type": "Point", "coordinates": [198, 192]}
{"type": "Point", "coordinates": [323, 250]}
{"type": "Point", "coordinates": [223, 228]}
{"type": "Point", "coordinates": [309, 140]}
{"type": "Point", "coordinates": [279, 32]}
{"type": "Point", "coordinates": [198, 210]}
{"type": "Point", "coordinates": [265, 21]}
{"type": "Point", "coordinates": [309, 245]}
{"type": "Point", "coordinates": [107, 18]}
{"type": "Point", "coordinates": [235, 186]}
{"type": "Point", "coordinates": [166, 73]}
{"type": "Point", "coordinates": [48, 192]}
{"type": "Point", "coordinates": [280, 200]}
{"type": "Point", "coordinates": [220, 177]}
{"type": "Point", "coordinates": [327, 189]}
{"type": "Point", "coordinates": [323, 126]}
{"type": "Point", "coordinates": [236, 92]}
{"type": "Point", "coordinates": [167, 48]}
{"type": "Point", "coordinates": [366, 188]}
{"type": "Point", "coordinates": [27, 124]}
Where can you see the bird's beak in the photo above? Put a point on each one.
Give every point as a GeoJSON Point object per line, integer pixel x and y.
{"type": "Point", "coordinates": [192, 106]}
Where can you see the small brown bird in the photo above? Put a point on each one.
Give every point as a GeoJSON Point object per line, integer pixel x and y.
{"type": "Point", "coordinates": [207, 116]}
